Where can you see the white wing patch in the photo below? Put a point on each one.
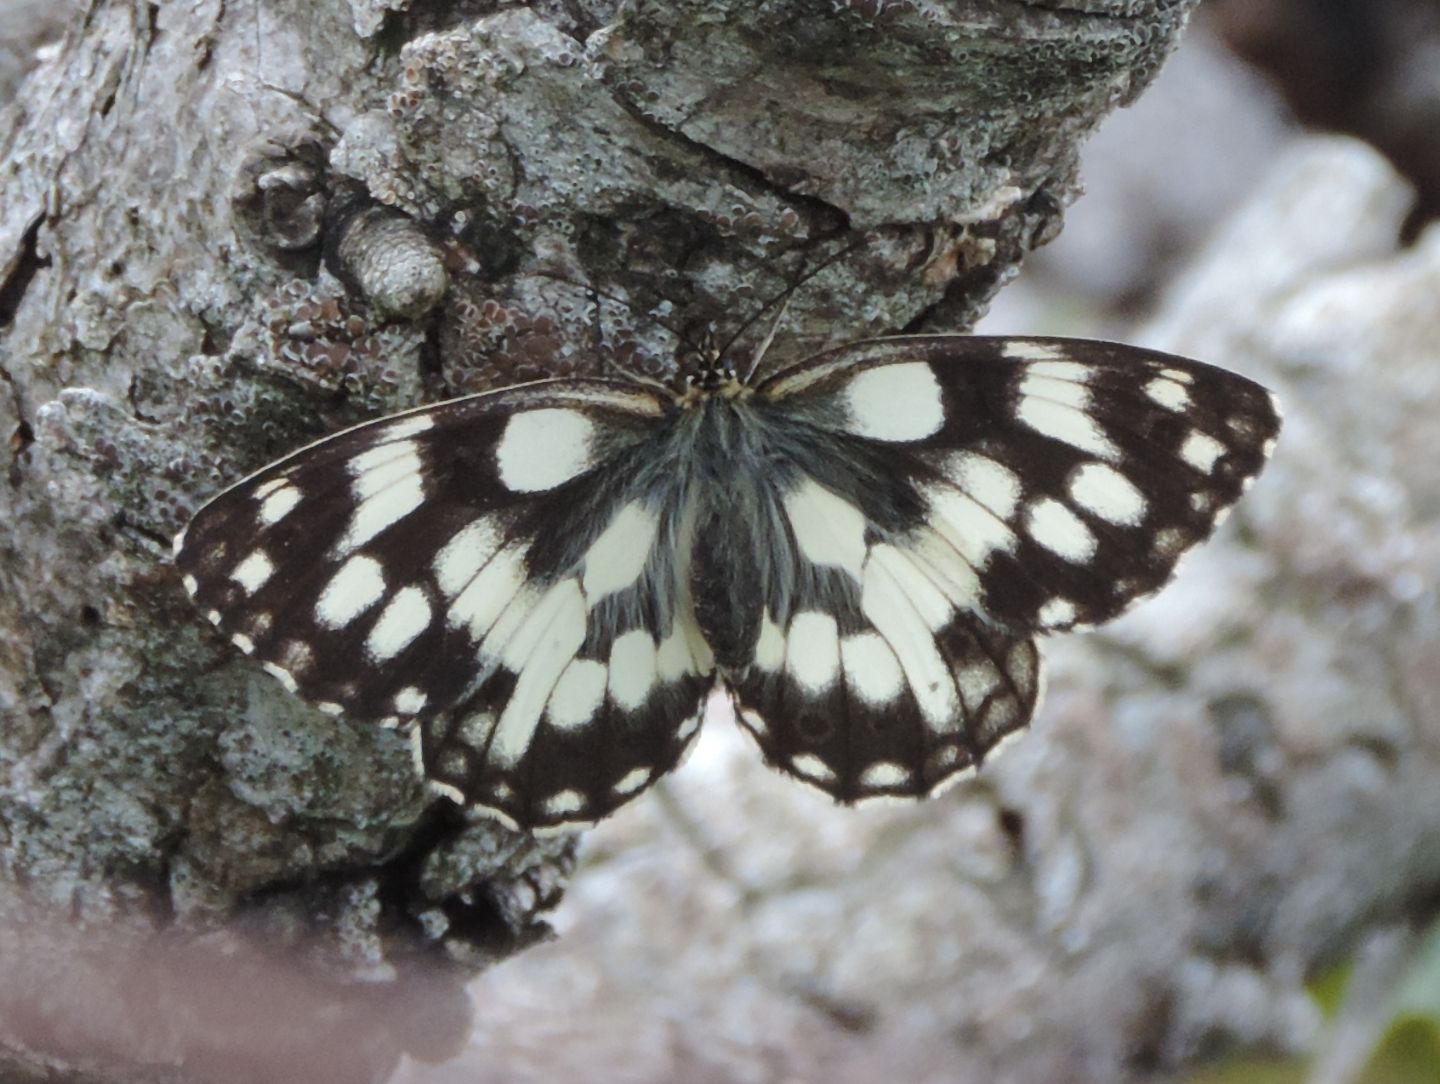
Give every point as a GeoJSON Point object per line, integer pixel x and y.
{"type": "Point", "coordinates": [404, 618]}
{"type": "Point", "coordinates": [461, 559]}
{"type": "Point", "coordinates": [814, 656]}
{"type": "Point", "coordinates": [890, 567]}
{"type": "Point", "coordinates": [1103, 491]}
{"type": "Point", "coordinates": [676, 655]}
{"type": "Point", "coordinates": [973, 530]}
{"type": "Point", "coordinates": [253, 572]}
{"type": "Point", "coordinates": [278, 503]}
{"type": "Point", "coordinates": [885, 775]}
{"type": "Point", "coordinates": [544, 641]}
{"type": "Point", "coordinates": [618, 557]}
{"type": "Point", "coordinates": [1169, 393]}
{"type": "Point", "coordinates": [829, 530]}
{"type": "Point", "coordinates": [992, 485]}
{"type": "Point", "coordinates": [410, 701]}
{"type": "Point", "coordinates": [541, 449]}
{"type": "Point", "coordinates": [1030, 349]}
{"type": "Point", "coordinates": [1201, 451]}
{"type": "Point", "coordinates": [956, 578]}
{"type": "Point", "coordinates": [388, 486]}
{"type": "Point", "coordinates": [489, 592]}
{"type": "Point", "coordinates": [809, 766]}
{"type": "Point", "coordinates": [404, 426]}
{"type": "Point", "coordinates": [578, 694]}
{"type": "Point", "coordinates": [634, 669]}
{"type": "Point", "coordinates": [872, 671]}
{"type": "Point", "coordinates": [1057, 613]}
{"type": "Point", "coordinates": [898, 618]}
{"type": "Point", "coordinates": [1060, 530]}
{"type": "Point", "coordinates": [358, 585]}
{"type": "Point", "coordinates": [895, 403]}
{"type": "Point", "coordinates": [770, 647]}
{"type": "Point", "coordinates": [1060, 409]}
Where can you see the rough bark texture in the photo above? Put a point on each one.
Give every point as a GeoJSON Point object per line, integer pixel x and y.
{"type": "Point", "coordinates": [226, 229]}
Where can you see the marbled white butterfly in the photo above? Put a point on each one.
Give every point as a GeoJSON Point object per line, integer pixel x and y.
{"type": "Point", "coordinates": [543, 583]}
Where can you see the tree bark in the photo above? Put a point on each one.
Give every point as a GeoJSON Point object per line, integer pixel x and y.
{"type": "Point", "coordinates": [227, 228]}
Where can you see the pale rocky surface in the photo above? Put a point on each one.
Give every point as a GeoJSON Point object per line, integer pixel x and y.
{"type": "Point", "coordinates": [1157, 178]}
{"type": "Point", "coordinates": [1227, 789]}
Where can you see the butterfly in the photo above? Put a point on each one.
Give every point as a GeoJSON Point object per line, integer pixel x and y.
{"type": "Point", "coordinates": [542, 584]}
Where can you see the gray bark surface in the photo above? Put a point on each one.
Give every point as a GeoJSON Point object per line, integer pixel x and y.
{"type": "Point", "coordinates": [205, 880]}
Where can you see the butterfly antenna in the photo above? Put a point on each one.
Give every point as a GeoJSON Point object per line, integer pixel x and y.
{"type": "Point", "coordinates": [624, 303]}
{"type": "Point", "coordinates": [608, 364]}
{"type": "Point", "coordinates": [597, 333]}
{"type": "Point", "coordinates": [783, 300]}
{"type": "Point", "coordinates": [769, 338]}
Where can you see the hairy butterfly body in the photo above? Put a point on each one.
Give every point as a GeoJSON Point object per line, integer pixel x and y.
{"type": "Point", "coordinates": [543, 583]}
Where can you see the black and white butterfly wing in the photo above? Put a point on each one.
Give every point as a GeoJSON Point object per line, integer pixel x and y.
{"type": "Point", "coordinates": [486, 566]}
{"type": "Point", "coordinates": [954, 496]}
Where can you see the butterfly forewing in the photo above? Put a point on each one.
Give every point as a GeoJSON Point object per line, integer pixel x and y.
{"type": "Point", "coordinates": [1066, 477]}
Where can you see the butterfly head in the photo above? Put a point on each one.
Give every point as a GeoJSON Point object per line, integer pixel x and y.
{"type": "Point", "coordinates": [703, 372]}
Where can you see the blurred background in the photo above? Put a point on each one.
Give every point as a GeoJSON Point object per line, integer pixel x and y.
{"type": "Point", "coordinates": [1217, 855]}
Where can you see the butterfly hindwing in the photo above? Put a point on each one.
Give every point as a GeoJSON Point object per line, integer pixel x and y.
{"type": "Point", "coordinates": [619, 715]}
{"type": "Point", "coordinates": [487, 565]}
{"type": "Point", "coordinates": [860, 709]}
{"type": "Point", "coordinates": [581, 715]}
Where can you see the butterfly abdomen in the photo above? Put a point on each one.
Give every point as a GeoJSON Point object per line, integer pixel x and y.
{"type": "Point", "coordinates": [732, 549]}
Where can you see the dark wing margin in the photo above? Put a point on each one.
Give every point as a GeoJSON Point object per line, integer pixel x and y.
{"type": "Point", "coordinates": [482, 566]}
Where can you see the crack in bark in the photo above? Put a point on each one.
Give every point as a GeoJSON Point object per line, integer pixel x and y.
{"type": "Point", "coordinates": [22, 272]}
{"type": "Point", "coordinates": [757, 182]}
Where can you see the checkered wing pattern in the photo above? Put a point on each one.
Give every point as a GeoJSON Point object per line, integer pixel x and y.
{"type": "Point", "coordinates": [954, 497]}
{"type": "Point", "coordinates": [541, 584]}
{"type": "Point", "coordinates": [482, 574]}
